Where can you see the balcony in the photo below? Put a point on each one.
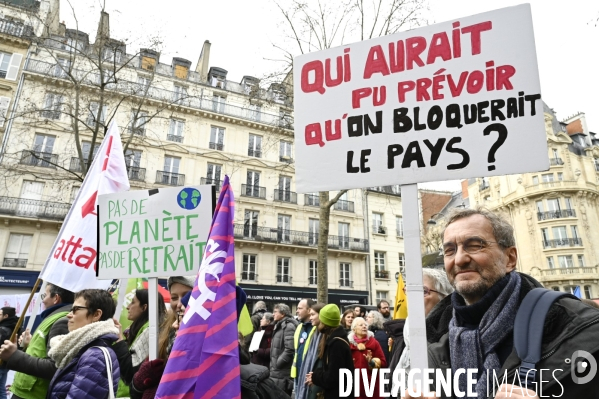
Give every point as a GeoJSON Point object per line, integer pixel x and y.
{"type": "Point", "coordinates": [137, 130]}
{"type": "Point", "coordinates": [311, 200]}
{"type": "Point", "coordinates": [559, 214]}
{"type": "Point", "coordinates": [383, 274]}
{"type": "Point", "coordinates": [207, 180]}
{"type": "Point", "coordinates": [249, 276]}
{"type": "Point", "coordinates": [75, 165]}
{"type": "Point", "coordinates": [283, 278]}
{"type": "Point", "coordinates": [253, 191]}
{"type": "Point", "coordinates": [285, 196]}
{"type": "Point", "coordinates": [552, 185]}
{"type": "Point", "coordinates": [483, 186]}
{"type": "Point", "coordinates": [216, 146]}
{"type": "Point", "coordinates": [14, 28]}
{"type": "Point", "coordinates": [556, 161]}
{"type": "Point", "coordinates": [136, 174]}
{"type": "Point", "coordinates": [37, 158]}
{"type": "Point", "coordinates": [169, 178]}
{"type": "Point", "coordinates": [50, 114]}
{"type": "Point", "coordinates": [203, 102]}
{"type": "Point", "coordinates": [256, 153]}
{"type": "Point", "coordinates": [562, 243]}
{"type": "Point", "coordinates": [175, 138]}
{"type": "Point", "coordinates": [566, 273]}
{"type": "Point", "coordinates": [33, 208]}
{"type": "Point", "coordinates": [341, 205]}
{"type": "Point", "coordinates": [285, 158]}
{"type": "Point", "coordinates": [14, 262]}
{"type": "Point", "coordinates": [394, 190]}
{"type": "Point", "coordinates": [300, 238]}
{"type": "Point", "coordinates": [343, 282]}
{"type": "Point", "coordinates": [312, 280]}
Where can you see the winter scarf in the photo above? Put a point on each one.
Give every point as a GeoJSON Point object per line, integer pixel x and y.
{"type": "Point", "coordinates": [475, 348]}
{"type": "Point", "coordinates": [359, 342]}
{"type": "Point", "coordinates": [65, 348]}
{"type": "Point", "coordinates": [307, 365]}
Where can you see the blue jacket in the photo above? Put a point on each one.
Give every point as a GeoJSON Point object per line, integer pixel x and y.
{"type": "Point", "coordinates": [85, 376]}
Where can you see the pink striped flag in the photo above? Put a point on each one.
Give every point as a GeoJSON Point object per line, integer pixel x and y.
{"type": "Point", "coordinates": [204, 361]}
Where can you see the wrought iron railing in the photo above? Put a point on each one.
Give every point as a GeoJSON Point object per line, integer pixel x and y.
{"type": "Point", "coordinates": [283, 278]}
{"type": "Point", "coordinates": [293, 237]}
{"type": "Point", "coordinates": [251, 276]}
{"type": "Point", "coordinates": [312, 280]}
{"type": "Point", "coordinates": [175, 138]}
{"type": "Point", "coordinates": [561, 213]}
{"type": "Point", "coordinates": [75, 165]}
{"type": "Point", "coordinates": [285, 158]}
{"type": "Point", "coordinates": [562, 242]}
{"type": "Point", "coordinates": [14, 28]}
{"type": "Point", "coordinates": [556, 161]}
{"type": "Point", "coordinates": [285, 196]}
{"type": "Point", "coordinates": [311, 200]}
{"type": "Point", "coordinates": [169, 178]}
{"type": "Point", "coordinates": [136, 174]}
{"type": "Point", "coordinates": [216, 146]}
{"type": "Point", "coordinates": [217, 183]}
{"type": "Point", "coordinates": [257, 153]}
{"type": "Point", "coordinates": [379, 229]}
{"type": "Point", "coordinates": [344, 282]}
{"type": "Point", "coordinates": [33, 208]}
{"type": "Point", "coordinates": [395, 190]}
{"type": "Point", "coordinates": [342, 205]}
{"type": "Point", "coordinates": [381, 274]}
{"type": "Point", "coordinates": [14, 262]}
{"type": "Point", "coordinates": [37, 158]}
{"type": "Point", "coordinates": [253, 191]}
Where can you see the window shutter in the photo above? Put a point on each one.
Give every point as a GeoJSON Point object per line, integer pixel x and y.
{"type": "Point", "coordinates": [13, 68]}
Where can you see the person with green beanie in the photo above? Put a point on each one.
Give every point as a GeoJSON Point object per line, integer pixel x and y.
{"type": "Point", "coordinates": [333, 353]}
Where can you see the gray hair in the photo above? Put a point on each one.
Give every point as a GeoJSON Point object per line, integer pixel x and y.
{"type": "Point", "coordinates": [502, 230]}
{"type": "Point", "coordinates": [258, 306]}
{"type": "Point", "coordinates": [356, 321]}
{"type": "Point", "coordinates": [283, 309]}
{"type": "Point", "coordinates": [440, 280]}
{"type": "Point", "coordinates": [378, 319]}
{"type": "Point", "coordinates": [269, 316]}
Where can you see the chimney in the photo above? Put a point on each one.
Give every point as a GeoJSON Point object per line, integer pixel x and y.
{"type": "Point", "coordinates": [204, 61]}
{"type": "Point", "coordinates": [103, 34]}
{"type": "Point", "coordinates": [464, 188]}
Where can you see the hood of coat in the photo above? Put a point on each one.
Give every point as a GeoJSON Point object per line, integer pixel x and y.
{"type": "Point", "coordinates": [352, 337]}
{"type": "Point", "coordinates": [9, 322]}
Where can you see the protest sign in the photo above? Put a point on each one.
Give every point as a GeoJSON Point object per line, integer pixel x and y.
{"type": "Point", "coordinates": [153, 233]}
{"type": "Point", "coordinates": [454, 100]}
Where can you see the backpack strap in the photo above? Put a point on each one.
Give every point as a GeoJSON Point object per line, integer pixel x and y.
{"type": "Point", "coordinates": [108, 361]}
{"type": "Point", "coordinates": [528, 330]}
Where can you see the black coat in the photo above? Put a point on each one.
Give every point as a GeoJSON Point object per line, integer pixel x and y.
{"type": "Point", "coordinates": [383, 340]}
{"type": "Point", "coordinates": [337, 355]}
{"type": "Point", "coordinates": [262, 355]}
{"type": "Point", "coordinates": [6, 327]}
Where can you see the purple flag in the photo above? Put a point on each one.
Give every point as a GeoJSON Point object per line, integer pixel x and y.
{"type": "Point", "coordinates": [204, 361]}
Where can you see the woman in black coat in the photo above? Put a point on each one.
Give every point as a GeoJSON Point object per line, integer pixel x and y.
{"type": "Point", "coordinates": [262, 355]}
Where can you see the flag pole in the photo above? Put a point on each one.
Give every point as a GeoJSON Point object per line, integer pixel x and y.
{"type": "Point", "coordinates": [153, 309]}
{"type": "Point", "coordinates": [22, 318]}
{"type": "Point", "coordinates": [121, 298]}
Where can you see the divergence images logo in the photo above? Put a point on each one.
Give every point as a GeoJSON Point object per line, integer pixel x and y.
{"type": "Point", "coordinates": [580, 362]}
{"type": "Point", "coordinates": [189, 198]}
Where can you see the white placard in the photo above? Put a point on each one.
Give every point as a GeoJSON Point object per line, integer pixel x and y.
{"type": "Point", "coordinates": [153, 233]}
{"type": "Point", "coordinates": [449, 101]}
{"type": "Point", "coordinates": [256, 339]}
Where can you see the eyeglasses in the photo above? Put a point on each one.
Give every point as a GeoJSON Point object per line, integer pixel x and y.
{"type": "Point", "coordinates": [472, 245]}
{"type": "Point", "coordinates": [427, 291]}
{"type": "Point", "coordinates": [74, 309]}
{"type": "Point", "coordinates": [43, 296]}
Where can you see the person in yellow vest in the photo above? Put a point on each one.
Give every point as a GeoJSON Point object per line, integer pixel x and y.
{"type": "Point", "coordinates": [302, 336]}
{"type": "Point", "coordinates": [133, 346]}
{"type": "Point", "coordinates": [33, 366]}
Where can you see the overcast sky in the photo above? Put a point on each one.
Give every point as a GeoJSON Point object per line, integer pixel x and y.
{"type": "Point", "coordinates": [242, 33]}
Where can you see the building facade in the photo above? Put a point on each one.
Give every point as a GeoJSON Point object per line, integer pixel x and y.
{"type": "Point", "coordinates": [555, 213]}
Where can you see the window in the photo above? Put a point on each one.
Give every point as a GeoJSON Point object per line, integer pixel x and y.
{"type": "Point", "coordinates": [587, 292]}
{"type": "Point", "coordinates": [218, 103]}
{"type": "Point", "coordinates": [253, 184]}
{"type": "Point", "coordinates": [255, 146]}
{"type": "Point", "coordinates": [581, 261]}
{"type": "Point", "coordinates": [4, 64]}
{"type": "Point", "coordinates": [52, 106]}
{"type": "Point", "coordinates": [379, 261]}
{"type": "Point", "coordinates": [17, 251]}
{"type": "Point", "coordinates": [545, 234]}
{"type": "Point", "coordinates": [343, 204]}
{"type": "Point", "coordinates": [343, 235]}
{"type": "Point", "coordinates": [285, 119]}
{"type": "Point", "coordinates": [402, 263]}
{"type": "Point", "coordinates": [175, 131]}
{"type": "Point", "coordinates": [550, 263]}
{"type": "Point", "coordinates": [73, 44]}
{"type": "Point", "coordinates": [574, 231]}
{"type": "Point", "coordinates": [170, 174]}
{"type": "Point", "coordinates": [217, 138]}
{"type": "Point", "coordinates": [312, 199]}
{"type": "Point", "coordinates": [560, 176]}
{"type": "Point", "coordinates": [380, 295]}
{"type": "Point", "coordinates": [345, 275]}
{"type": "Point", "coordinates": [547, 177]}
{"type": "Point", "coordinates": [565, 261]}
{"type": "Point", "coordinates": [312, 272]}
{"type": "Point", "coordinates": [283, 228]}
{"type": "Point", "coordinates": [86, 147]}
{"type": "Point", "coordinates": [250, 224]}
{"type": "Point", "coordinates": [540, 206]}
{"type": "Point", "coordinates": [138, 122]}
{"type": "Point", "coordinates": [112, 55]}
{"type": "Point", "coordinates": [43, 143]}
{"type": "Point", "coordinates": [283, 270]}
{"type": "Point", "coordinates": [377, 223]}
{"type": "Point", "coordinates": [133, 161]}
{"type": "Point", "coordinates": [283, 193]}
{"type": "Point", "coordinates": [555, 154]}
{"type": "Point", "coordinates": [74, 192]}
{"type": "Point", "coordinates": [285, 151]}
{"type": "Point", "coordinates": [63, 67]}
{"type": "Point", "coordinates": [249, 267]}
{"type": "Point", "coordinates": [180, 94]}
{"type": "Point", "coordinates": [43, 147]}
{"type": "Point", "coordinates": [255, 112]}
{"type": "Point", "coordinates": [313, 226]}
{"type": "Point", "coordinates": [217, 81]}
{"type": "Point", "coordinates": [553, 204]}
{"type": "Point", "coordinates": [144, 83]}
{"type": "Point", "coordinates": [559, 233]}
{"type": "Point", "coordinates": [535, 180]}
{"type": "Point", "coordinates": [568, 202]}
{"type": "Point", "coordinates": [93, 113]}
{"type": "Point", "coordinates": [213, 174]}
{"type": "Point", "coordinates": [399, 225]}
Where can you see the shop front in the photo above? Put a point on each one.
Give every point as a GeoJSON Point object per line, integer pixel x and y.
{"type": "Point", "coordinates": [272, 294]}
{"type": "Point", "coordinates": [15, 282]}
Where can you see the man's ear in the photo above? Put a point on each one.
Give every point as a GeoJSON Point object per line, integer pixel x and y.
{"type": "Point", "coordinates": [512, 258]}
{"type": "Point", "coordinates": [97, 315]}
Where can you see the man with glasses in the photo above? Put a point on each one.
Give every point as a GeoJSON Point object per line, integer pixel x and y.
{"type": "Point", "coordinates": [384, 309]}
{"type": "Point", "coordinates": [473, 327]}
{"type": "Point", "coordinates": [34, 368]}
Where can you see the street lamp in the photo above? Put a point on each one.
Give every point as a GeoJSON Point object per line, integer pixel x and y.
{"type": "Point", "coordinates": [431, 221]}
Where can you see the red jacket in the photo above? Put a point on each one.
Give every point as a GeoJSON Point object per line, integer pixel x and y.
{"type": "Point", "coordinates": [360, 361]}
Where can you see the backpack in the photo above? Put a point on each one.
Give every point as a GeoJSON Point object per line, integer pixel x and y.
{"type": "Point", "coordinates": [528, 330]}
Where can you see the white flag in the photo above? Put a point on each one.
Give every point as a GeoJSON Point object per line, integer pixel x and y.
{"type": "Point", "coordinates": [73, 260]}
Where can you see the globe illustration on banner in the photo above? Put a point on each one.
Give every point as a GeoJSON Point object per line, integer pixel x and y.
{"type": "Point", "coordinates": [189, 198]}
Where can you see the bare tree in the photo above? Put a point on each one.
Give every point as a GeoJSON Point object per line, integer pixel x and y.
{"type": "Point", "coordinates": [318, 25]}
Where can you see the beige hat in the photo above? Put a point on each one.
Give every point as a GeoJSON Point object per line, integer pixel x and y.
{"type": "Point", "coordinates": [185, 280]}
